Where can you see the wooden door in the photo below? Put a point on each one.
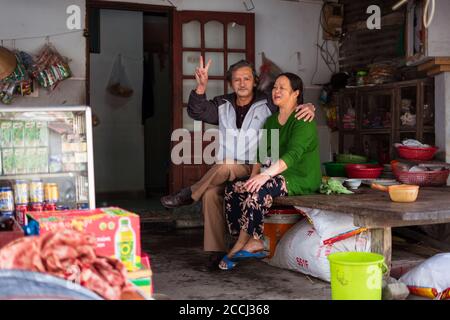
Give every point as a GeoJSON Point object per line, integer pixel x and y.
{"type": "Point", "coordinates": [224, 37]}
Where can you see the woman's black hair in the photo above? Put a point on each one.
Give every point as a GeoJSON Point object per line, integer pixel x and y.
{"type": "Point", "coordinates": [241, 64]}
{"type": "Point", "coordinates": [296, 84]}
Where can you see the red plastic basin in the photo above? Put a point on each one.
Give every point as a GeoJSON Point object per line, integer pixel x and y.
{"type": "Point", "coordinates": [414, 153]}
{"type": "Point", "coordinates": [363, 171]}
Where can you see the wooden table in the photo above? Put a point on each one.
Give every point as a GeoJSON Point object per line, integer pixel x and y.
{"type": "Point", "coordinates": [373, 209]}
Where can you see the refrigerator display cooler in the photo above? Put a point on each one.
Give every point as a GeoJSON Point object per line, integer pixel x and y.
{"type": "Point", "coordinates": [46, 154]}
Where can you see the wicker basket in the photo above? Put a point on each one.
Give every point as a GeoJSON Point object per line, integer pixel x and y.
{"type": "Point", "coordinates": [423, 179]}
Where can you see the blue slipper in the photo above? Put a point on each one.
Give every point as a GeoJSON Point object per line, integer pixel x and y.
{"type": "Point", "coordinates": [245, 255]}
{"type": "Point", "coordinates": [230, 264]}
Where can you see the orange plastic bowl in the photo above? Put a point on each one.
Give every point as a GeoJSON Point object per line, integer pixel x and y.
{"type": "Point", "coordinates": [403, 193]}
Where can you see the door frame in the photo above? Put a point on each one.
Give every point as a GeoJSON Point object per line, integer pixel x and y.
{"type": "Point", "coordinates": [127, 6]}
{"type": "Point", "coordinates": [243, 18]}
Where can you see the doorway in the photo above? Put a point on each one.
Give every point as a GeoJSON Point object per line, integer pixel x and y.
{"type": "Point", "coordinates": [156, 102]}
{"type": "Point", "coordinates": [132, 135]}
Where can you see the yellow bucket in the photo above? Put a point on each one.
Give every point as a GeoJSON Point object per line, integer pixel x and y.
{"type": "Point", "coordinates": [356, 275]}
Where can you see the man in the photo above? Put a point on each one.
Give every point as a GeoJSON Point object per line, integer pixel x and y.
{"type": "Point", "coordinates": [243, 110]}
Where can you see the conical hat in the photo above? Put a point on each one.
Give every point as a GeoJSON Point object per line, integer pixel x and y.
{"type": "Point", "coordinates": [7, 62]}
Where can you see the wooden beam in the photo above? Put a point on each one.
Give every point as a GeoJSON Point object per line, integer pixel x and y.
{"type": "Point", "coordinates": [118, 5]}
{"type": "Point", "coordinates": [381, 242]}
{"type": "Point", "coordinates": [373, 222]}
{"type": "Point", "coordinates": [438, 69]}
{"type": "Point", "coordinates": [433, 63]}
{"type": "Point", "coordinates": [395, 18]}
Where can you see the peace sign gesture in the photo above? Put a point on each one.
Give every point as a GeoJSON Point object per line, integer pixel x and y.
{"type": "Point", "coordinates": [201, 75]}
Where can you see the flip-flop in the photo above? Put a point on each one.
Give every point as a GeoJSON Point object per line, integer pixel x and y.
{"type": "Point", "coordinates": [245, 255]}
{"type": "Point", "coordinates": [230, 264]}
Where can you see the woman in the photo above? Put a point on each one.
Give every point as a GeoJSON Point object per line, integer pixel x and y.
{"type": "Point", "coordinates": [296, 172]}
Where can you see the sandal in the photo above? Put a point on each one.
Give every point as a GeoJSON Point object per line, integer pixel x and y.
{"type": "Point", "coordinates": [246, 255]}
{"type": "Point", "coordinates": [229, 264]}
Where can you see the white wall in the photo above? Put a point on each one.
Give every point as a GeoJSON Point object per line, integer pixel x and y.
{"type": "Point", "coordinates": [442, 113]}
{"type": "Point", "coordinates": [282, 28]}
{"type": "Point", "coordinates": [438, 32]}
{"type": "Point", "coordinates": [119, 139]}
{"type": "Point", "coordinates": [25, 18]}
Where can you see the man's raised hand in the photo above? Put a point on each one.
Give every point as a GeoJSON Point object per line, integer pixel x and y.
{"type": "Point", "coordinates": [201, 75]}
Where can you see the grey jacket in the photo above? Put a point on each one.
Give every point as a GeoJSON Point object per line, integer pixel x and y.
{"type": "Point", "coordinates": [237, 144]}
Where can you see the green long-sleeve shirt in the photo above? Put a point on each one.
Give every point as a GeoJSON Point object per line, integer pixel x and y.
{"type": "Point", "coordinates": [299, 149]}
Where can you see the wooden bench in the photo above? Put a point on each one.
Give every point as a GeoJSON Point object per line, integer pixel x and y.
{"type": "Point", "coordinates": [374, 210]}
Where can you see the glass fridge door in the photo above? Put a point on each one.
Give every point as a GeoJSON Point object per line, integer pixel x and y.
{"type": "Point", "coordinates": [48, 149]}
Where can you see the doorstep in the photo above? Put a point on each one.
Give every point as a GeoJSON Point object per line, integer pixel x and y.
{"type": "Point", "coordinates": [154, 216]}
{"type": "Point", "coordinates": [169, 219]}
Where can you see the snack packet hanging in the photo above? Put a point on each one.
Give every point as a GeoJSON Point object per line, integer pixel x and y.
{"type": "Point", "coordinates": [50, 67]}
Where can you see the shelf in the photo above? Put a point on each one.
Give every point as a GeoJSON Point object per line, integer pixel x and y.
{"type": "Point", "coordinates": [40, 175]}
{"type": "Point", "coordinates": [371, 102]}
{"type": "Point", "coordinates": [376, 131]}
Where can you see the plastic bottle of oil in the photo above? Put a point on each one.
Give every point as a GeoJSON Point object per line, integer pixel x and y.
{"type": "Point", "coordinates": [125, 240]}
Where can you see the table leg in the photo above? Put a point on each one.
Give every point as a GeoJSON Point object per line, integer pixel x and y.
{"type": "Point", "coordinates": [381, 242]}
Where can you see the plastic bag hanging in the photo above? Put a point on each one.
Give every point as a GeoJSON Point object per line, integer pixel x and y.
{"type": "Point", "coordinates": [118, 84]}
{"type": "Point", "coordinates": [268, 73]}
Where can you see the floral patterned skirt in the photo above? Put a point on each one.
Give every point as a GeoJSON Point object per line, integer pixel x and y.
{"type": "Point", "coordinates": [246, 211]}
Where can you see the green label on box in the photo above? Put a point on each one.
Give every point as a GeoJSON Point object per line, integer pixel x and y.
{"type": "Point", "coordinates": [5, 134]}
{"type": "Point", "coordinates": [18, 134]}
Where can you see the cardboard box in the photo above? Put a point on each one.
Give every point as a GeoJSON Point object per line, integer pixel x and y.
{"type": "Point", "coordinates": [117, 231]}
{"type": "Point", "coordinates": [142, 278]}
{"type": "Point", "coordinates": [9, 236]}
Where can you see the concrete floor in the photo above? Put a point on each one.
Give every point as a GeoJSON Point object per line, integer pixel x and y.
{"type": "Point", "coordinates": [174, 241]}
{"type": "Point", "coordinates": [177, 259]}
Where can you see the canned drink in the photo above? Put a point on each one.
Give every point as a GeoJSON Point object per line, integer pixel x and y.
{"type": "Point", "coordinates": [82, 206]}
{"type": "Point", "coordinates": [7, 214]}
{"type": "Point", "coordinates": [6, 200]}
{"type": "Point", "coordinates": [50, 206]}
{"type": "Point", "coordinates": [21, 214]}
{"type": "Point", "coordinates": [36, 191]}
{"type": "Point", "coordinates": [36, 207]}
{"type": "Point", "coordinates": [51, 193]}
{"type": "Point", "coordinates": [21, 192]}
